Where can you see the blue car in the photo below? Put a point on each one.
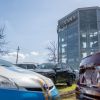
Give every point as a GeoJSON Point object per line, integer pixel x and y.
{"type": "Point", "coordinates": [19, 84]}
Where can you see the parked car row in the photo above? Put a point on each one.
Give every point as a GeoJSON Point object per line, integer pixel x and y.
{"type": "Point", "coordinates": [20, 84]}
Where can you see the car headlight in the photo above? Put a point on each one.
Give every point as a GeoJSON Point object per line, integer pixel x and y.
{"type": "Point", "coordinates": [49, 82]}
{"type": "Point", "coordinates": [6, 83]}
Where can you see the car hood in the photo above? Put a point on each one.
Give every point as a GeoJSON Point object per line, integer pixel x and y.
{"type": "Point", "coordinates": [24, 78]}
{"type": "Point", "coordinates": [44, 70]}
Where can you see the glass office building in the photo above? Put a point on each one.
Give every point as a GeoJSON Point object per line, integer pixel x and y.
{"type": "Point", "coordinates": [78, 35]}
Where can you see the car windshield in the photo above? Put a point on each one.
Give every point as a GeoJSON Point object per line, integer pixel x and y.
{"type": "Point", "coordinates": [46, 66]}
{"type": "Point", "coordinates": [6, 63]}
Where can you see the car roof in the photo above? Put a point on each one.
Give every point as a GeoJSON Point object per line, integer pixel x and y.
{"type": "Point", "coordinates": [91, 60]}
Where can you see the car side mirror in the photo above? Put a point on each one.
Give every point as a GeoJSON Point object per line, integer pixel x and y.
{"type": "Point", "coordinates": [58, 68]}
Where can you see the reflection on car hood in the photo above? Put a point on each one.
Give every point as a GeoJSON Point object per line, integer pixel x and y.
{"type": "Point", "coordinates": [45, 70]}
{"type": "Point", "coordinates": [22, 77]}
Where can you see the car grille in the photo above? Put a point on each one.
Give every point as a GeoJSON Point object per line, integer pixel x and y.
{"type": "Point", "coordinates": [36, 89]}
{"type": "Point", "coordinates": [33, 89]}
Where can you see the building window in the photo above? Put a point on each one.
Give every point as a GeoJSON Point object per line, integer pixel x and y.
{"type": "Point", "coordinates": [84, 44]}
{"type": "Point", "coordinates": [91, 43]}
{"type": "Point", "coordinates": [83, 35]}
{"type": "Point", "coordinates": [91, 35]}
{"type": "Point", "coordinates": [84, 54]}
{"type": "Point", "coordinates": [64, 45]}
{"type": "Point", "coordinates": [63, 60]}
{"type": "Point", "coordinates": [62, 39]}
{"type": "Point", "coordinates": [63, 50]}
{"type": "Point", "coordinates": [91, 53]}
{"type": "Point", "coordinates": [70, 60]}
{"type": "Point", "coordinates": [95, 33]}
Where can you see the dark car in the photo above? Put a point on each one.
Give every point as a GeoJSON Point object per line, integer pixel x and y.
{"type": "Point", "coordinates": [64, 74]}
{"type": "Point", "coordinates": [88, 86]}
{"type": "Point", "coordinates": [41, 69]}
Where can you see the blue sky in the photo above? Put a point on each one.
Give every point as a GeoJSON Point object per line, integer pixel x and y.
{"type": "Point", "coordinates": [31, 24]}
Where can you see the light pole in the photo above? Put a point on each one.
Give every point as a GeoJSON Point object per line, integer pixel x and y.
{"type": "Point", "coordinates": [17, 54]}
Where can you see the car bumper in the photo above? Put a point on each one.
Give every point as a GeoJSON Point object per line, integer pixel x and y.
{"type": "Point", "coordinates": [6, 94]}
{"type": "Point", "coordinates": [87, 97]}
{"type": "Point", "coordinates": [88, 94]}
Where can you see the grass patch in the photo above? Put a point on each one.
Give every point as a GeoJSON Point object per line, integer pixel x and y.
{"type": "Point", "coordinates": [64, 89]}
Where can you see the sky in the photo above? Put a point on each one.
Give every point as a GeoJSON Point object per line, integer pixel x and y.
{"type": "Point", "coordinates": [32, 24]}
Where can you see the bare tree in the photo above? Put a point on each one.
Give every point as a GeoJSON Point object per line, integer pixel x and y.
{"type": "Point", "coordinates": [2, 40]}
{"type": "Point", "coordinates": [52, 48]}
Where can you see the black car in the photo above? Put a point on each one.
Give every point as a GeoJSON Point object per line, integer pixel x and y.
{"type": "Point", "coordinates": [64, 74]}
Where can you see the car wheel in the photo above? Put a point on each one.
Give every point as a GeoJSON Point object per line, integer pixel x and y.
{"type": "Point", "coordinates": [70, 81]}
{"type": "Point", "coordinates": [69, 84]}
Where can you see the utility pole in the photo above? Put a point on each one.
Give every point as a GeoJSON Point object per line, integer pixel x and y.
{"type": "Point", "coordinates": [17, 54]}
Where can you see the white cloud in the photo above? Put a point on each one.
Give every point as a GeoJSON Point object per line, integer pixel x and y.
{"type": "Point", "coordinates": [12, 56]}
{"type": "Point", "coordinates": [41, 54]}
{"type": "Point", "coordinates": [34, 53]}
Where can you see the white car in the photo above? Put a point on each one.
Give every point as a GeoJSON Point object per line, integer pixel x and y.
{"type": "Point", "coordinates": [29, 85]}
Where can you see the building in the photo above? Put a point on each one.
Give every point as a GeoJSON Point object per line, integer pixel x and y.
{"type": "Point", "coordinates": [78, 35]}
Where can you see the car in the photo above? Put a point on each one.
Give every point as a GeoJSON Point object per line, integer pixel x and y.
{"type": "Point", "coordinates": [64, 74]}
{"type": "Point", "coordinates": [20, 84]}
{"type": "Point", "coordinates": [39, 68]}
{"type": "Point", "coordinates": [88, 85]}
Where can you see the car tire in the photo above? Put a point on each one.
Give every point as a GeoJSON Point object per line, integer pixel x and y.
{"type": "Point", "coordinates": [69, 84]}
{"type": "Point", "coordinates": [70, 81]}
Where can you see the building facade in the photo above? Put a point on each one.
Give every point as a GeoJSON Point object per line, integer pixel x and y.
{"type": "Point", "coordinates": [78, 35]}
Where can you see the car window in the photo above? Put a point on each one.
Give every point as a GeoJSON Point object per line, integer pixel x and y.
{"type": "Point", "coordinates": [31, 66]}
{"type": "Point", "coordinates": [22, 66]}
{"type": "Point", "coordinates": [41, 66]}
{"type": "Point", "coordinates": [46, 66]}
